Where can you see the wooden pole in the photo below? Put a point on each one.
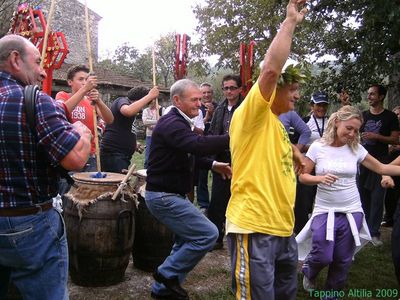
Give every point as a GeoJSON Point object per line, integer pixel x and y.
{"type": "Point", "coordinates": [155, 82]}
{"type": "Point", "coordinates": [47, 31]}
{"type": "Point", "coordinates": [89, 48]}
{"type": "Point", "coordinates": [121, 186]}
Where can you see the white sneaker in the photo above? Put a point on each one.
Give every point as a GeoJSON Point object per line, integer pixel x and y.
{"type": "Point", "coordinates": [308, 284]}
{"type": "Point", "coordinates": [376, 241]}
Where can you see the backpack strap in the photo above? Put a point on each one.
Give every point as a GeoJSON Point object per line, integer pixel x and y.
{"type": "Point", "coordinates": [31, 93]}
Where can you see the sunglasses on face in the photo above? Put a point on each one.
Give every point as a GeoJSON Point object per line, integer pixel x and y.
{"type": "Point", "coordinates": [229, 88]}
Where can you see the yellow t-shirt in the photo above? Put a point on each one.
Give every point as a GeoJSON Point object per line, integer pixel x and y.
{"type": "Point", "coordinates": [263, 184]}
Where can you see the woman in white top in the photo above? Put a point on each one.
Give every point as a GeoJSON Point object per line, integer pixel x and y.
{"type": "Point", "coordinates": [337, 221]}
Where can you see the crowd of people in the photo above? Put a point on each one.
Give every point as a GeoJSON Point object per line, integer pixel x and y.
{"type": "Point", "coordinates": [284, 188]}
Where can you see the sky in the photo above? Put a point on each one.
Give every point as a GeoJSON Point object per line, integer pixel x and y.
{"type": "Point", "coordinates": [140, 23]}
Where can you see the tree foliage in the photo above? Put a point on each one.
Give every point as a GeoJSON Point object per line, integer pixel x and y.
{"type": "Point", "coordinates": [127, 60]}
{"type": "Point", "coordinates": [362, 36]}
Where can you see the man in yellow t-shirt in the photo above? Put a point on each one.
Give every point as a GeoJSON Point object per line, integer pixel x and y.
{"type": "Point", "coordinates": [260, 211]}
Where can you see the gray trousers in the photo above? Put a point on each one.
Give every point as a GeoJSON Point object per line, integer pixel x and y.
{"type": "Point", "coordinates": [263, 266]}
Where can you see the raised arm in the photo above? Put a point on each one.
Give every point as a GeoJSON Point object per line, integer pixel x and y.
{"type": "Point", "coordinates": [101, 108]}
{"type": "Point", "coordinates": [279, 49]}
{"type": "Point", "coordinates": [74, 100]}
{"type": "Point", "coordinates": [133, 108]}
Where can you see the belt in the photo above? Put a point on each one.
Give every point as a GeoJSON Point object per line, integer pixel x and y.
{"type": "Point", "coordinates": [25, 211]}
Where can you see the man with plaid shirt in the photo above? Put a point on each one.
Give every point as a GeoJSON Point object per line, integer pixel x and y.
{"type": "Point", "coordinates": [33, 246]}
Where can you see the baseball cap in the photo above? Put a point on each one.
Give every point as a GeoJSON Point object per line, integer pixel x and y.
{"type": "Point", "coordinates": [320, 97]}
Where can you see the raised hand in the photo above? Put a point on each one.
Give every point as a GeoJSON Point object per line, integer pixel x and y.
{"type": "Point", "coordinates": [91, 83]}
{"type": "Point", "coordinates": [293, 13]}
{"type": "Point", "coordinates": [154, 92]}
{"type": "Point", "coordinates": [94, 96]}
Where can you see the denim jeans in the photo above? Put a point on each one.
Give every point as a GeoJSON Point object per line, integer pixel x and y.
{"type": "Point", "coordinates": [114, 161]}
{"type": "Point", "coordinates": [195, 235]}
{"type": "Point", "coordinates": [147, 151]}
{"type": "Point", "coordinates": [34, 255]}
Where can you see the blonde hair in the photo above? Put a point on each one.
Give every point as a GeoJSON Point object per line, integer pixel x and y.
{"type": "Point", "coordinates": [345, 113]}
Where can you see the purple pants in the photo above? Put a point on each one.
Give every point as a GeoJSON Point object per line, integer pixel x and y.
{"type": "Point", "coordinates": [337, 254]}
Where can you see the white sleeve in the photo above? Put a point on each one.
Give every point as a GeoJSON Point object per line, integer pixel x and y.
{"type": "Point", "coordinates": [313, 151]}
{"type": "Point", "coordinates": [361, 153]}
{"type": "Point", "coordinates": [198, 121]}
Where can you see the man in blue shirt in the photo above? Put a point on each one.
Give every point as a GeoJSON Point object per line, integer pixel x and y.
{"type": "Point", "coordinates": [170, 178]}
{"type": "Point", "coordinates": [33, 245]}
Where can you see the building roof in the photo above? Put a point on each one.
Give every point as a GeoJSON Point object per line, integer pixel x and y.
{"type": "Point", "coordinates": [107, 76]}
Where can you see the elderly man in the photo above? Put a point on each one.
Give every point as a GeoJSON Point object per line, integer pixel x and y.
{"type": "Point", "coordinates": [170, 178]}
{"type": "Point", "coordinates": [259, 217]}
{"type": "Point", "coordinates": [33, 245]}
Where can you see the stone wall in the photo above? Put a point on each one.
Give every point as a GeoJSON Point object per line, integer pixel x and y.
{"type": "Point", "coordinates": [69, 18]}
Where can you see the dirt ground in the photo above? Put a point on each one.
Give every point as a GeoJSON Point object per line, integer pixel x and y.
{"type": "Point", "coordinates": [210, 275]}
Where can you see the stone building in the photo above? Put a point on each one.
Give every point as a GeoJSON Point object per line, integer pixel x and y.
{"type": "Point", "coordinates": [69, 18]}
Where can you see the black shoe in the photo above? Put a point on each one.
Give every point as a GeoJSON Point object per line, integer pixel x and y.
{"type": "Point", "coordinates": [218, 246]}
{"type": "Point", "coordinates": [173, 285]}
{"type": "Point", "coordinates": [387, 224]}
{"type": "Point", "coordinates": [165, 297]}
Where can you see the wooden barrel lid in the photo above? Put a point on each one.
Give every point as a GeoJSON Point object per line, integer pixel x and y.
{"type": "Point", "coordinates": [87, 177]}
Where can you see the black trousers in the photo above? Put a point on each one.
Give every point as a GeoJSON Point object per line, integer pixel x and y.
{"type": "Point", "coordinates": [396, 242]}
{"type": "Point", "coordinates": [220, 194]}
{"type": "Point", "coordinates": [303, 206]}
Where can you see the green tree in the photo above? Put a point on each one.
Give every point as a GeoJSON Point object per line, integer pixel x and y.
{"type": "Point", "coordinates": [143, 66]}
{"type": "Point", "coordinates": [361, 35]}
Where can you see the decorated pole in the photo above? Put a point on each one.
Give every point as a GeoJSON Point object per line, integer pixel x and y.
{"type": "Point", "coordinates": [89, 48]}
{"type": "Point", "coordinates": [155, 82]}
{"type": "Point", "coordinates": [47, 31]}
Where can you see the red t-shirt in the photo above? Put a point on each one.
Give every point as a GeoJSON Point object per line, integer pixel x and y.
{"type": "Point", "coordinates": [82, 112]}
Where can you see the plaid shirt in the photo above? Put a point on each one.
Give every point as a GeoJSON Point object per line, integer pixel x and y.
{"type": "Point", "coordinates": [27, 175]}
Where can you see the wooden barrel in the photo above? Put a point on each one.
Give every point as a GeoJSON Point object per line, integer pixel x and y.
{"type": "Point", "coordinates": [100, 231]}
{"type": "Point", "coordinates": [153, 240]}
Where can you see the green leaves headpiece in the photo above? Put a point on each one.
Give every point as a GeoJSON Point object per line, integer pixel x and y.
{"type": "Point", "coordinates": [299, 73]}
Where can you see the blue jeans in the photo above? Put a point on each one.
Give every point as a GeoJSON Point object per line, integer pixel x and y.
{"type": "Point", "coordinates": [91, 166]}
{"type": "Point", "coordinates": [195, 235]}
{"type": "Point", "coordinates": [114, 161]}
{"type": "Point", "coordinates": [147, 152]}
{"type": "Point", "coordinates": [34, 255]}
